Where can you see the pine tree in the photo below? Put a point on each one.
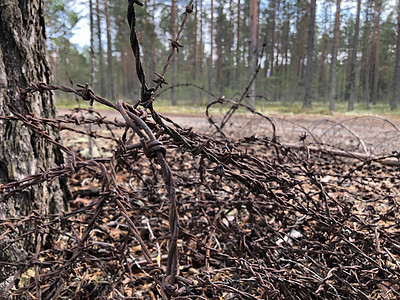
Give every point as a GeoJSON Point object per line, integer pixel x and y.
{"type": "Point", "coordinates": [310, 56]}
{"type": "Point", "coordinates": [335, 45]}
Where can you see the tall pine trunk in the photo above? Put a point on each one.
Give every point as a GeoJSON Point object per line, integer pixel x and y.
{"type": "Point", "coordinates": [201, 46]}
{"type": "Point", "coordinates": [211, 58]}
{"type": "Point", "coordinates": [174, 60]}
{"type": "Point", "coordinates": [310, 56]}
{"type": "Point", "coordinates": [194, 70]}
{"type": "Point", "coordinates": [332, 94]}
{"type": "Point", "coordinates": [22, 62]}
{"type": "Point", "coordinates": [375, 74]}
{"type": "Point", "coordinates": [273, 38]}
{"type": "Point", "coordinates": [109, 53]}
{"type": "Point", "coordinates": [253, 38]}
{"type": "Point", "coordinates": [231, 37]}
{"type": "Point", "coordinates": [91, 23]}
{"type": "Point", "coordinates": [101, 62]}
{"type": "Point", "coordinates": [366, 59]}
{"type": "Point", "coordinates": [322, 75]}
{"type": "Point", "coordinates": [350, 88]}
{"type": "Point", "coordinates": [238, 44]}
{"type": "Point", "coordinates": [396, 81]}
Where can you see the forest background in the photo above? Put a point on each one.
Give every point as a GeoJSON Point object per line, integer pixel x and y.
{"type": "Point", "coordinates": [351, 47]}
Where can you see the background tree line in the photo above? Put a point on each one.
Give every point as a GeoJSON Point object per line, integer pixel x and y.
{"type": "Point", "coordinates": [314, 51]}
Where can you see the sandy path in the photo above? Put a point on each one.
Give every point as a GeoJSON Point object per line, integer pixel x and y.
{"type": "Point", "coordinates": [369, 134]}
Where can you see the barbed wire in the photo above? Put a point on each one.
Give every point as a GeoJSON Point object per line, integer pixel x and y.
{"type": "Point", "coordinates": [259, 219]}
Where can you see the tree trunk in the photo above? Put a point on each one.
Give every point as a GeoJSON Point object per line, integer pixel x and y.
{"type": "Point", "coordinates": [378, 8]}
{"type": "Point", "coordinates": [350, 89]}
{"type": "Point", "coordinates": [335, 45]}
{"type": "Point", "coordinates": [366, 58]}
{"type": "Point", "coordinates": [101, 63]}
{"type": "Point", "coordinates": [322, 72]}
{"type": "Point", "coordinates": [91, 83]}
{"type": "Point", "coordinates": [303, 47]}
{"type": "Point", "coordinates": [310, 56]}
{"type": "Point", "coordinates": [91, 43]}
{"type": "Point", "coordinates": [218, 44]}
{"type": "Point", "coordinates": [201, 46]}
{"type": "Point", "coordinates": [109, 54]}
{"type": "Point", "coordinates": [253, 38]}
{"type": "Point", "coordinates": [22, 62]}
{"type": "Point", "coordinates": [273, 38]}
{"type": "Point", "coordinates": [194, 70]}
{"type": "Point", "coordinates": [231, 37]}
{"type": "Point", "coordinates": [295, 56]}
{"type": "Point", "coordinates": [153, 43]}
{"type": "Point", "coordinates": [210, 61]}
{"type": "Point", "coordinates": [195, 95]}
{"type": "Point", "coordinates": [174, 60]}
{"type": "Point", "coordinates": [395, 98]}
{"type": "Point", "coordinates": [238, 22]}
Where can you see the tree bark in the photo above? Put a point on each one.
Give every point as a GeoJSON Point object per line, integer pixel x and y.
{"type": "Point", "coordinates": [231, 37]}
{"type": "Point", "coordinates": [335, 45]}
{"type": "Point", "coordinates": [322, 76]}
{"type": "Point", "coordinates": [218, 44]}
{"type": "Point", "coordinates": [101, 62]}
{"type": "Point", "coordinates": [350, 89]}
{"type": "Point", "coordinates": [174, 60]}
{"type": "Point", "coordinates": [253, 38]}
{"type": "Point", "coordinates": [395, 98]}
{"type": "Point", "coordinates": [273, 38]}
{"type": "Point", "coordinates": [91, 83]}
{"type": "Point", "coordinates": [310, 56]}
{"type": "Point", "coordinates": [201, 45]}
{"type": "Point", "coordinates": [366, 58]}
{"type": "Point", "coordinates": [211, 59]}
{"type": "Point", "coordinates": [22, 62]}
{"type": "Point", "coordinates": [91, 25]}
{"type": "Point", "coordinates": [378, 8]}
{"type": "Point", "coordinates": [238, 44]}
{"type": "Point", "coordinates": [153, 42]}
{"type": "Point", "coordinates": [109, 54]}
{"type": "Point", "coordinates": [194, 69]}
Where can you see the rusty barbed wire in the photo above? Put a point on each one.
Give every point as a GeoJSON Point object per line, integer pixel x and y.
{"type": "Point", "coordinates": [253, 172]}
{"type": "Point", "coordinates": [259, 219]}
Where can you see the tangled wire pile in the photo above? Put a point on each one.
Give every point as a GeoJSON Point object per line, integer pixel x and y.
{"type": "Point", "coordinates": [170, 213]}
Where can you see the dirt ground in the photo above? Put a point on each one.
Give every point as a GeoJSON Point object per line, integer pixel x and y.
{"type": "Point", "coordinates": [256, 219]}
{"type": "Point", "coordinates": [376, 135]}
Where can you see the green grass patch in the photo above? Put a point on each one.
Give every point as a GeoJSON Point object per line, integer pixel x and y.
{"type": "Point", "coordinates": [294, 108]}
{"type": "Point", "coordinates": [72, 103]}
{"type": "Point", "coordinates": [320, 108]}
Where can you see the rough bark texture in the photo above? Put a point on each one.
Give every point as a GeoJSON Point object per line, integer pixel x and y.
{"type": "Point", "coordinates": [335, 45]}
{"type": "Point", "coordinates": [396, 82]}
{"type": "Point", "coordinates": [310, 56]}
{"type": "Point", "coordinates": [253, 37]}
{"type": "Point", "coordinates": [22, 62]}
{"type": "Point", "coordinates": [350, 89]}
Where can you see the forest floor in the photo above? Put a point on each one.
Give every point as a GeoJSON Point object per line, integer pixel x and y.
{"type": "Point", "coordinates": [316, 220]}
{"type": "Point", "coordinates": [366, 134]}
